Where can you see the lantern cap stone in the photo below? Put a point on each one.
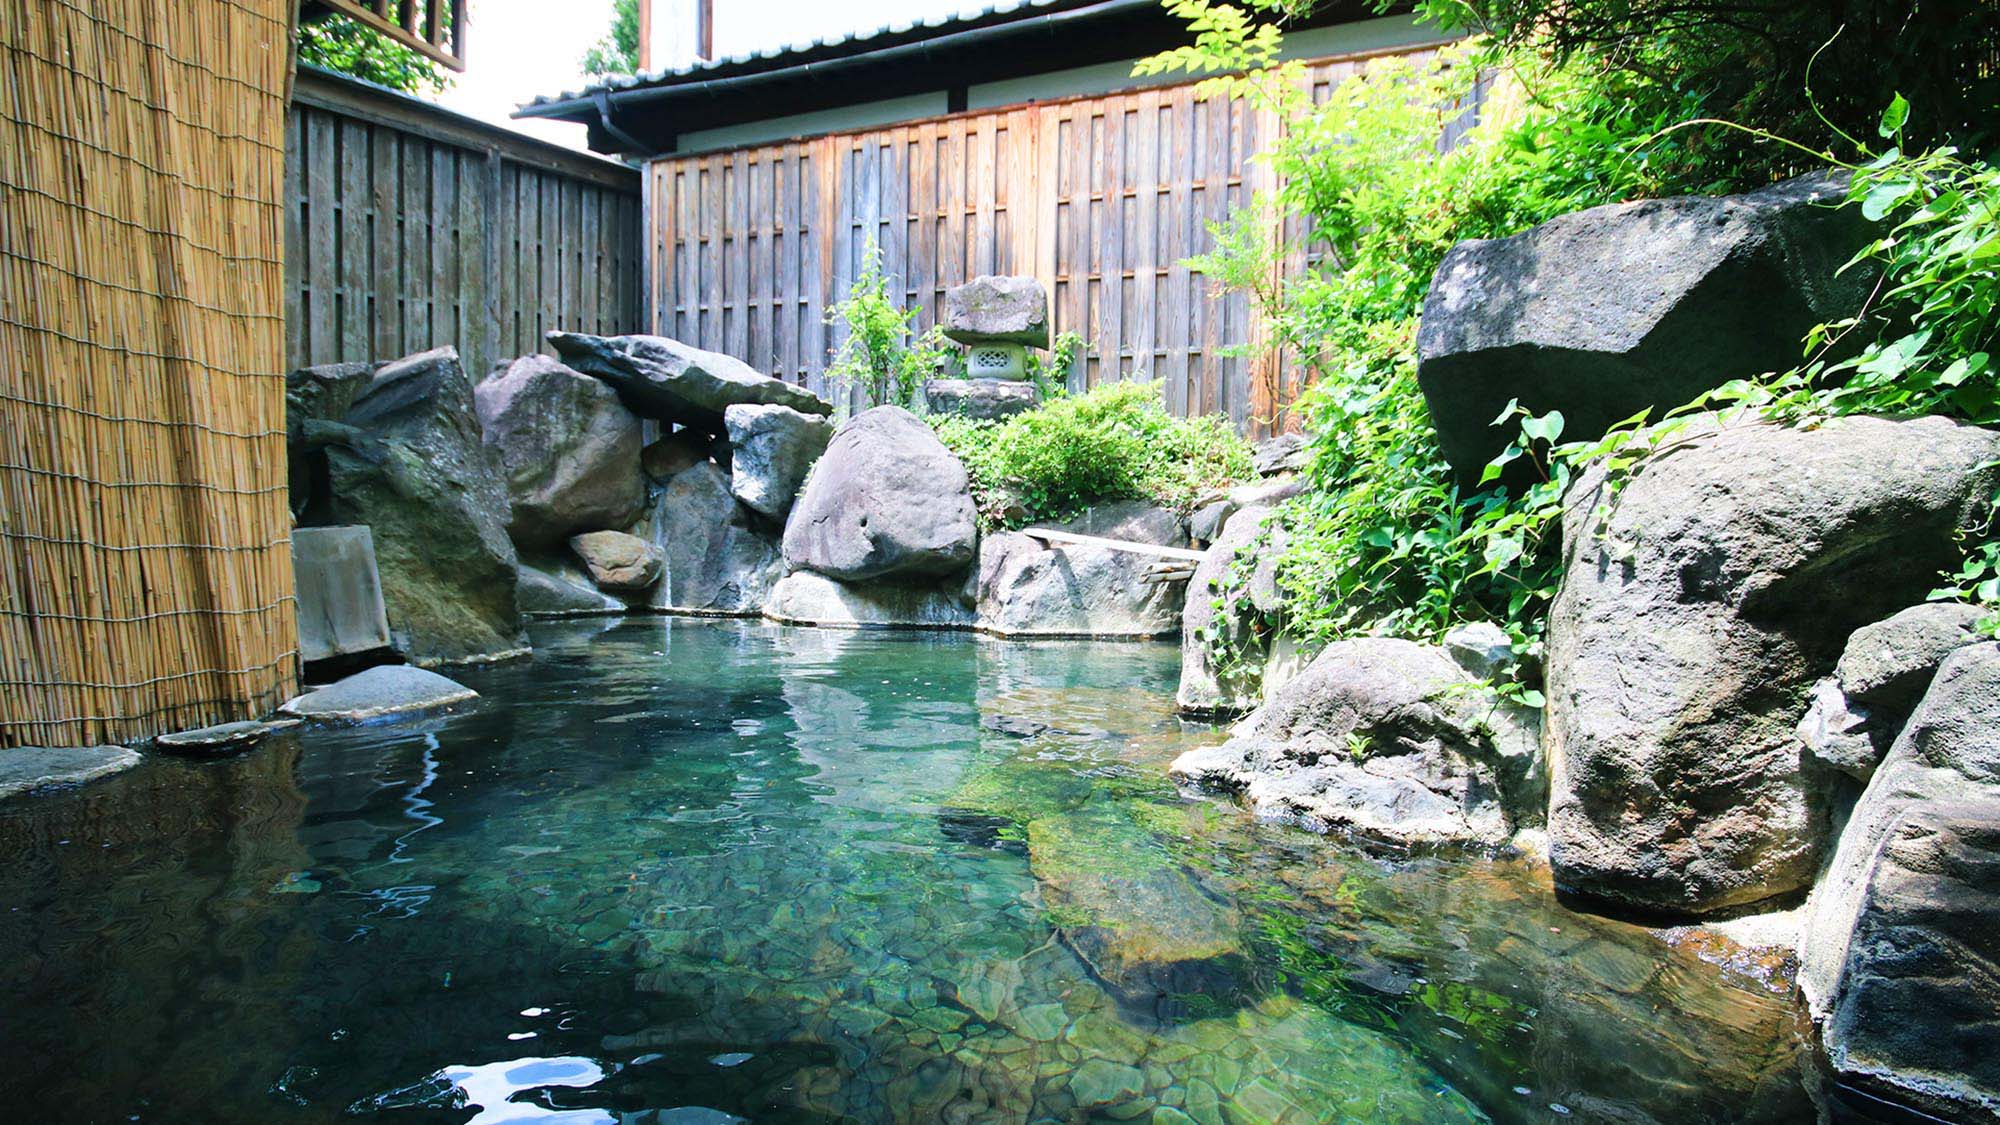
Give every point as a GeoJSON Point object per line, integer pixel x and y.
{"type": "Point", "coordinates": [998, 310]}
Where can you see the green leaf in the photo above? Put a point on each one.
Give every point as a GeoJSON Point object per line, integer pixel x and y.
{"type": "Point", "coordinates": [1894, 117]}
{"type": "Point", "coordinates": [1532, 698]}
{"type": "Point", "coordinates": [1883, 198]}
{"type": "Point", "coordinates": [1548, 427]}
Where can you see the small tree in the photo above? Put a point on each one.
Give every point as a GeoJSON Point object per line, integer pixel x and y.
{"type": "Point", "coordinates": [878, 354]}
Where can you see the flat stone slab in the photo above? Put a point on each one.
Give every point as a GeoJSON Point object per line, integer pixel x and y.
{"type": "Point", "coordinates": [27, 768]}
{"type": "Point", "coordinates": [379, 693]}
{"type": "Point", "coordinates": [223, 738]}
{"type": "Point", "coordinates": [340, 592]}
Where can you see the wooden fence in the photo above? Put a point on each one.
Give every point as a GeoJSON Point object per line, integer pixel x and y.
{"type": "Point", "coordinates": [409, 226]}
{"type": "Point", "coordinates": [1102, 198]}
{"type": "Point", "coordinates": [145, 575]}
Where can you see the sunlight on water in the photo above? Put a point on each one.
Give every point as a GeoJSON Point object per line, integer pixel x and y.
{"type": "Point", "coordinates": [695, 872]}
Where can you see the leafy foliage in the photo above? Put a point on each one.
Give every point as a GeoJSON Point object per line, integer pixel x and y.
{"type": "Point", "coordinates": [1814, 71]}
{"type": "Point", "coordinates": [338, 43]}
{"type": "Point", "coordinates": [618, 51]}
{"type": "Point", "coordinates": [878, 355]}
{"type": "Point", "coordinates": [1115, 442]}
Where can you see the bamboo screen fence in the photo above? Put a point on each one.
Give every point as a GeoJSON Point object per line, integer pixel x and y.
{"type": "Point", "coordinates": [408, 226]}
{"type": "Point", "coordinates": [1102, 198]}
{"type": "Point", "coordinates": [145, 571]}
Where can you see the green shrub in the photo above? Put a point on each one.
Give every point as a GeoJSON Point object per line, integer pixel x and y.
{"type": "Point", "coordinates": [878, 355]}
{"type": "Point", "coordinates": [1116, 442]}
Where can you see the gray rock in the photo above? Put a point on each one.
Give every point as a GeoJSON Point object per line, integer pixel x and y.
{"type": "Point", "coordinates": [772, 448]}
{"type": "Point", "coordinates": [316, 394]}
{"type": "Point", "coordinates": [718, 557]}
{"type": "Point", "coordinates": [887, 498]}
{"type": "Point", "coordinates": [1208, 521]}
{"type": "Point", "coordinates": [1286, 453]}
{"type": "Point", "coordinates": [24, 769]}
{"type": "Point", "coordinates": [806, 598]}
{"type": "Point", "coordinates": [1897, 963]}
{"type": "Point", "coordinates": [1604, 312]}
{"type": "Point", "coordinates": [1481, 648]}
{"type": "Point", "coordinates": [340, 607]}
{"type": "Point", "coordinates": [1002, 309]}
{"type": "Point", "coordinates": [1725, 580]}
{"type": "Point", "coordinates": [1028, 588]}
{"type": "Point", "coordinates": [617, 561]}
{"type": "Point", "coordinates": [1888, 665]}
{"type": "Point", "coordinates": [1135, 521]}
{"type": "Point", "coordinates": [1382, 738]}
{"type": "Point", "coordinates": [567, 448]}
{"type": "Point", "coordinates": [1214, 509]}
{"type": "Point", "coordinates": [1240, 618]}
{"type": "Point", "coordinates": [1843, 735]}
{"type": "Point", "coordinates": [984, 400]}
{"type": "Point", "coordinates": [409, 464]}
{"type": "Point", "coordinates": [550, 593]}
{"type": "Point", "coordinates": [223, 738]}
{"type": "Point", "coordinates": [672, 382]}
{"type": "Point", "coordinates": [379, 693]}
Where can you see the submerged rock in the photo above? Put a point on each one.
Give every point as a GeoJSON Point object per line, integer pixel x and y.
{"type": "Point", "coordinates": [24, 769]}
{"type": "Point", "coordinates": [1604, 312]}
{"type": "Point", "coordinates": [982, 400]}
{"type": "Point", "coordinates": [1386, 739]}
{"type": "Point", "coordinates": [718, 558]}
{"type": "Point", "coordinates": [1031, 588]}
{"type": "Point", "coordinates": [379, 693]}
{"type": "Point", "coordinates": [569, 450]}
{"type": "Point", "coordinates": [772, 448]}
{"type": "Point", "coordinates": [1725, 579]}
{"type": "Point", "coordinates": [1897, 964]}
{"type": "Point", "coordinates": [672, 382]}
{"type": "Point", "coordinates": [619, 562]}
{"type": "Point", "coordinates": [806, 598]}
{"type": "Point", "coordinates": [1127, 907]}
{"type": "Point", "coordinates": [886, 499]}
{"type": "Point", "coordinates": [409, 463]}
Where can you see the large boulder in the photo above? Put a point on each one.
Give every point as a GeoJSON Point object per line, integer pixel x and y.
{"type": "Point", "coordinates": [1029, 588]}
{"type": "Point", "coordinates": [1604, 312]}
{"type": "Point", "coordinates": [772, 448]}
{"type": "Point", "coordinates": [314, 395]}
{"type": "Point", "coordinates": [1900, 963]}
{"type": "Point", "coordinates": [554, 592]}
{"type": "Point", "coordinates": [1227, 635]}
{"type": "Point", "coordinates": [569, 450]}
{"type": "Point", "coordinates": [982, 400]}
{"type": "Point", "coordinates": [619, 562]}
{"type": "Point", "coordinates": [719, 559]}
{"type": "Point", "coordinates": [1004, 309]}
{"type": "Point", "coordinates": [1386, 739]}
{"type": "Point", "coordinates": [1694, 614]}
{"type": "Point", "coordinates": [805, 598]}
{"type": "Point", "coordinates": [672, 382]}
{"type": "Point", "coordinates": [408, 463]}
{"type": "Point", "coordinates": [887, 498]}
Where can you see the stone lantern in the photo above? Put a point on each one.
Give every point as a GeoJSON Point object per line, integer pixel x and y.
{"type": "Point", "coordinates": [998, 319]}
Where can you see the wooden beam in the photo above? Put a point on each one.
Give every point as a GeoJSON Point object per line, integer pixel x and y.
{"type": "Point", "coordinates": [398, 21]}
{"type": "Point", "coordinates": [1070, 538]}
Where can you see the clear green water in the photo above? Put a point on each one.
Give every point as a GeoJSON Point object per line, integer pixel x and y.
{"type": "Point", "coordinates": [791, 875]}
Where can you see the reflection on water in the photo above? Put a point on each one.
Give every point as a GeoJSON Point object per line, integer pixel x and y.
{"type": "Point", "coordinates": [698, 872]}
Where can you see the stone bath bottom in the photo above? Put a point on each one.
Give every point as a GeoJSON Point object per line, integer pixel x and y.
{"type": "Point", "coordinates": [686, 872]}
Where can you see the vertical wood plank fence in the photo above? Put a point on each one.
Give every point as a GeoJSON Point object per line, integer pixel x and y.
{"type": "Point", "coordinates": [1102, 198]}
{"type": "Point", "coordinates": [408, 227]}
{"type": "Point", "coordinates": [145, 575]}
